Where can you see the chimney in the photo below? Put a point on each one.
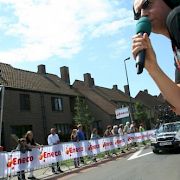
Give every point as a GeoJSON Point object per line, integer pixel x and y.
{"type": "Point", "coordinates": [115, 87]}
{"type": "Point", "coordinates": [146, 91]}
{"type": "Point", "coordinates": [65, 74]}
{"type": "Point", "coordinates": [89, 82]}
{"type": "Point", "coordinates": [41, 69]}
{"type": "Point", "coordinates": [92, 81]}
{"type": "Point", "coordinates": [126, 90]}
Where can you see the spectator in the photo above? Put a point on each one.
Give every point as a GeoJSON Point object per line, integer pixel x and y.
{"type": "Point", "coordinates": [141, 128]}
{"type": "Point", "coordinates": [121, 133]}
{"type": "Point", "coordinates": [74, 138]}
{"type": "Point", "coordinates": [81, 137]}
{"type": "Point", "coordinates": [133, 127]}
{"type": "Point", "coordinates": [53, 139]}
{"type": "Point", "coordinates": [23, 148]}
{"type": "Point", "coordinates": [80, 133]}
{"type": "Point", "coordinates": [115, 130]}
{"type": "Point", "coordinates": [127, 128]}
{"type": "Point", "coordinates": [120, 130]}
{"type": "Point", "coordinates": [30, 140]}
{"type": "Point", "coordinates": [31, 144]}
{"type": "Point", "coordinates": [108, 131]}
{"type": "Point", "coordinates": [94, 135]}
{"type": "Point", "coordinates": [127, 131]}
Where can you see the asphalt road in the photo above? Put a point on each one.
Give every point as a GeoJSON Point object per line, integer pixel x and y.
{"type": "Point", "coordinates": [142, 165]}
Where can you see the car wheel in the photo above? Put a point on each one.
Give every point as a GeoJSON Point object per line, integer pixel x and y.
{"type": "Point", "coordinates": [155, 151]}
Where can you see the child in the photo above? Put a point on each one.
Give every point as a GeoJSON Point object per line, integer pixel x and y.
{"type": "Point", "coordinates": [22, 147]}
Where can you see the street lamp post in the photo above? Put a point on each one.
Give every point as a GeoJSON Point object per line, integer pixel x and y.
{"type": "Point", "coordinates": [130, 101]}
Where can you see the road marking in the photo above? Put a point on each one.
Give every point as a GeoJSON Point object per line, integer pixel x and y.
{"type": "Point", "coordinates": [136, 154]}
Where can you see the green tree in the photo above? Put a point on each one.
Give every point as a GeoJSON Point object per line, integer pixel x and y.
{"type": "Point", "coordinates": [82, 115]}
{"type": "Point", "coordinates": [140, 113]}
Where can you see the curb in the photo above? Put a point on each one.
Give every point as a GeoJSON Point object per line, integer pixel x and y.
{"type": "Point", "coordinates": [103, 161]}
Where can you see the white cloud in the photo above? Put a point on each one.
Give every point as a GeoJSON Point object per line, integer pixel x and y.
{"type": "Point", "coordinates": [119, 47]}
{"type": "Point", "coordinates": [58, 27]}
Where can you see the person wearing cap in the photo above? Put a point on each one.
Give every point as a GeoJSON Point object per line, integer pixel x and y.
{"type": "Point", "coordinates": [162, 15]}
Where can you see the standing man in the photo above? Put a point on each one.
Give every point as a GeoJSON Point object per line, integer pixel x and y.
{"type": "Point", "coordinates": [53, 139]}
{"type": "Point", "coordinates": [164, 16]}
{"type": "Point", "coordinates": [81, 137]}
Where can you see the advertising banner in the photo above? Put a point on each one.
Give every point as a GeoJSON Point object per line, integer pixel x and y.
{"type": "Point", "coordinates": [122, 112]}
{"type": "Point", "coordinates": [14, 161]}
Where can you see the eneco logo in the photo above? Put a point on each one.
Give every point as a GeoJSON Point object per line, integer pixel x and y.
{"type": "Point", "coordinates": [71, 150]}
{"type": "Point", "coordinates": [12, 162]}
{"type": "Point", "coordinates": [107, 144]}
{"type": "Point", "coordinates": [44, 154]}
{"type": "Point", "coordinates": [93, 147]}
{"type": "Point", "coordinates": [41, 157]}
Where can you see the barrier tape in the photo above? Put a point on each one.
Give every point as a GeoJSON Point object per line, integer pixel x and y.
{"type": "Point", "coordinates": [12, 162]}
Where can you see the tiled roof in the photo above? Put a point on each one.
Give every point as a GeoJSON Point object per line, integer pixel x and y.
{"type": "Point", "coordinates": [101, 96]}
{"type": "Point", "coordinates": [112, 94]}
{"type": "Point", "coordinates": [148, 99]}
{"type": "Point", "coordinates": [21, 79]}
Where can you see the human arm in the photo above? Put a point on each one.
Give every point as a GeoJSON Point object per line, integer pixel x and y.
{"type": "Point", "coordinates": [169, 89]}
{"type": "Point", "coordinates": [50, 140]}
{"type": "Point", "coordinates": [57, 139]}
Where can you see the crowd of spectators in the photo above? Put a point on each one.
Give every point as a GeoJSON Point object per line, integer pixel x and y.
{"type": "Point", "coordinates": [27, 142]}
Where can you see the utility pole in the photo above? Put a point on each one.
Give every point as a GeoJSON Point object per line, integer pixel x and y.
{"type": "Point", "coordinates": [130, 100]}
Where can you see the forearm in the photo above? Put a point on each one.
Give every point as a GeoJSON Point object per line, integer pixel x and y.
{"type": "Point", "coordinates": [168, 88]}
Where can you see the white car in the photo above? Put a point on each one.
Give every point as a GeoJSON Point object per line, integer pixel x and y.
{"type": "Point", "coordinates": [167, 137]}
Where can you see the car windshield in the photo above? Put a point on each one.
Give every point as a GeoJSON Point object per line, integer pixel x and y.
{"type": "Point", "coordinates": [169, 128]}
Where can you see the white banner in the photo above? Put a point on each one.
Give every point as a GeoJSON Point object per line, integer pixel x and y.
{"type": "Point", "coordinates": [14, 161]}
{"type": "Point", "coordinates": [122, 113]}
{"type": "Point", "coordinates": [2, 164]}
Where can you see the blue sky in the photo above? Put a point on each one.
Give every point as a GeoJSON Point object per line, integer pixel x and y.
{"type": "Point", "coordinates": [88, 36]}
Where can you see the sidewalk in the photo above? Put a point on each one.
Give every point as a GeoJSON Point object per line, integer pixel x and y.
{"type": "Point", "coordinates": [46, 173]}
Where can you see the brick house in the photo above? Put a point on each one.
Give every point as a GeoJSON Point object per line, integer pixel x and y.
{"type": "Point", "coordinates": [35, 101]}
{"type": "Point", "coordinates": [151, 103]}
{"type": "Point", "coordinates": [38, 101]}
{"type": "Point", "coordinates": [102, 101]}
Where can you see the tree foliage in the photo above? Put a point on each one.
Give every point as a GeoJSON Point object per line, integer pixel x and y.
{"type": "Point", "coordinates": [140, 113]}
{"type": "Point", "coordinates": [82, 114]}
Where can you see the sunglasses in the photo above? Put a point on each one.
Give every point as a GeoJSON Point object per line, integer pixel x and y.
{"type": "Point", "coordinates": [145, 5]}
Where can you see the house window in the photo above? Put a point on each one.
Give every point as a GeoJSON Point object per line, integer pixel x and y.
{"type": "Point", "coordinates": [24, 102]}
{"type": "Point", "coordinates": [20, 130]}
{"type": "Point", "coordinates": [63, 128]}
{"type": "Point", "coordinates": [57, 104]}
